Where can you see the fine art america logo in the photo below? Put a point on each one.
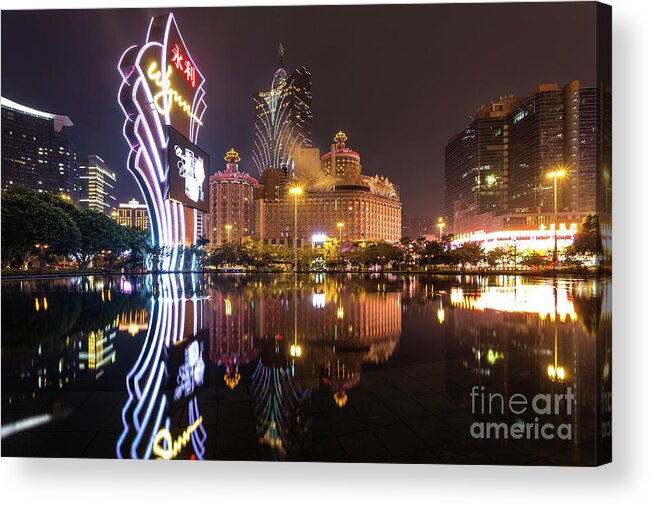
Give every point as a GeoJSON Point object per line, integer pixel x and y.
{"type": "Point", "coordinates": [192, 170]}
{"type": "Point", "coordinates": [545, 409]}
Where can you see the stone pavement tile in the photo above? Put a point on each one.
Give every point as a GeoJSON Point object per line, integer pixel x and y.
{"type": "Point", "coordinates": [107, 399]}
{"type": "Point", "coordinates": [399, 439]}
{"type": "Point", "coordinates": [47, 444]}
{"type": "Point", "coordinates": [436, 403]}
{"type": "Point", "coordinates": [239, 394]}
{"type": "Point", "coordinates": [386, 391]}
{"type": "Point", "coordinates": [393, 375]}
{"type": "Point", "coordinates": [361, 396]}
{"type": "Point", "coordinates": [243, 454]}
{"type": "Point", "coordinates": [423, 370]}
{"type": "Point", "coordinates": [413, 387]}
{"type": "Point", "coordinates": [435, 433]}
{"type": "Point", "coordinates": [581, 455]}
{"type": "Point", "coordinates": [371, 378]}
{"type": "Point", "coordinates": [344, 420]}
{"type": "Point", "coordinates": [461, 452]}
{"type": "Point", "coordinates": [418, 457]}
{"type": "Point", "coordinates": [364, 447]}
{"type": "Point", "coordinates": [322, 401]}
{"type": "Point", "coordinates": [376, 414]}
{"type": "Point", "coordinates": [324, 450]}
{"type": "Point", "coordinates": [317, 428]}
{"type": "Point", "coordinates": [293, 454]}
{"type": "Point", "coordinates": [406, 408]}
{"type": "Point", "coordinates": [235, 436]}
{"type": "Point", "coordinates": [235, 412]}
{"type": "Point", "coordinates": [103, 445]}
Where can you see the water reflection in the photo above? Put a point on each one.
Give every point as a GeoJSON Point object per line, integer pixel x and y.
{"type": "Point", "coordinates": [260, 367]}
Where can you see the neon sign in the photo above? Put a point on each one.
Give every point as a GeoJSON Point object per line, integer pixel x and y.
{"type": "Point", "coordinates": [167, 95]}
{"type": "Point", "coordinates": [184, 65]}
{"type": "Point", "coordinates": [191, 371]}
{"type": "Point", "coordinates": [172, 448]}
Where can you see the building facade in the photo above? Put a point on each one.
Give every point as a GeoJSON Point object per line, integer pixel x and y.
{"type": "Point", "coordinates": [342, 162]}
{"type": "Point", "coordinates": [97, 185]}
{"type": "Point", "coordinates": [36, 153]}
{"type": "Point", "coordinates": [231, 203]}
{"type": "Point", "coordinates": [132, 214]}
{"type": "Point", "coordinates": [347, 204]}
{"type": "Point", "coordinates": [496, 169]}
{"type": "Point", "coordinates": [283, 118]}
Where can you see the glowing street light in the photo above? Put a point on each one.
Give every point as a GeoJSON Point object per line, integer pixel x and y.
{"type": "Point", "coordinates": [42, 249]}
{"type": "Point", "coordinates": [296, 191]}
{"type": "Point", "coordinates": [556, 175]}
{"type": "Point", "coordinates": [228, 232]}
{"type": "Point", "coordinates": [340, 226]}
{"type": "Point", "coordinates": [441, 226]}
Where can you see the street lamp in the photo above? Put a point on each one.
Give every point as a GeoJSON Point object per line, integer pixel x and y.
{"type": "Point", "coordinates": [555, 175]}
{"type": "Point", "coordinates": [228, 232]}
{"type": "Point", "coordinates": [340, 226]}
{"type": "Point", "coordinates": [441, 226]}
{"type": "Point", "coordinates": [296, 191]}
{"type": "Point", "coordinates": [42, 248]}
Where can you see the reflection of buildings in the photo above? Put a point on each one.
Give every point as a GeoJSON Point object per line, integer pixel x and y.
{"type": "Point", "coordinates": [35, 151]}
{"type": "Point", "coordinates": [421, 227]}
{"type": "Point", "coordinates": [283, 118]}
{"type": "Point", "coordinates": [368, 208]}
{"type": "Point", "coordinates": [97, 185]}
{"type": "Point", "coordinates": [496, 168]}
{"type": "Point", "coordinates": [133, 321]}
{"type": "Point", "coordinates": [231, 203]}
{"type": "Point", "coordinates": [99, 350]}
{"type": "Point", "coordinates": [132, 214]}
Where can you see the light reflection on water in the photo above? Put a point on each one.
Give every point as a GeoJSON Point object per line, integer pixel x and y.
{"type": "Point", "coordinates": [193, 359]}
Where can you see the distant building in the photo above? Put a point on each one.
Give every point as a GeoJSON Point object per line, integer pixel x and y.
{"type": "Point", "coordinates": [342, 162]}
{"type": "Point", "coordinates": [132, 214]}
{"type": "Point", "coordinates": [283, 118]}
{"type": "Point", "coordinates": [36, 153]}
{"type": "Point", "coordinates": [307, 163]}
{"type": "Point", "coordinates": [332, 205]}
{"type": "Point", "coordinates": [496, 168]}
{"type": "Point", "coordinates": [421, 227]}
{"type": "Point", "coordinates": [97, 185]}
{"type": "Point", "coordinates": [231, 203]}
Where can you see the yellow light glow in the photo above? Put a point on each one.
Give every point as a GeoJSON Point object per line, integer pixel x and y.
{"type": "Point", "coordinates": [295, 350]}
{"type": "Point", "coordinates": [558, 173]}
{"type": "Point", "coordinates": [340, 312]}
{"type": "Point", "coordinates": [172, 449]}
{"type": "Point", "coordinates": [341, 398]}
{"type": "Point", "coordinates": [296, 190]}
{"type": "Point", "coordinates": [227, 307]}
{"type": "Point", "coordinates": [167, 95]}
{"type": "Point", "coordinates": [440, 314]}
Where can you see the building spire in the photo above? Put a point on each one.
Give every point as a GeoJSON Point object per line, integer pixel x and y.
{"type": "Point", "coordinates": [281, 56]}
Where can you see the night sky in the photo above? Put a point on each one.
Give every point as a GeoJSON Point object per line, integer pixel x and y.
{"type": "Point", "coordinates": [399, 80]}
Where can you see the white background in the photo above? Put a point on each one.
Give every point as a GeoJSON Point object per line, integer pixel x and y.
{"type": "Point", "coordinates": [626, 481]}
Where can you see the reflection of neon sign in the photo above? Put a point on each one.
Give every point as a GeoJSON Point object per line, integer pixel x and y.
{"type": "Point", "coordinates": [172, 449]}
{"type": "Point", "coordinates": [191, 169]}
{"type": "Point", "coordinates": [167, 95]}
{"type": "Point", "coordinates": [191, 372]}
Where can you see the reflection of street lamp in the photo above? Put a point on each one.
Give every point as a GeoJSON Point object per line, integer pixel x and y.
{"type": "Point", "coordinates": [441, 226]}
{"type": "Point", "coordinates": [228, 232]}
{"type": "Point", "coordinates": [556, 174]}
{"type": "Point", "coordinates": [340, 226]}
{"type": "Point", "coordinates": [554, 371]}
{"type": "Point", "coordinates": [42, 248]}
{"type": "Point", "coordinates": [296, 191]}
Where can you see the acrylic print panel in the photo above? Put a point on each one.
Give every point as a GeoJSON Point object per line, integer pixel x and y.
{"type": "Point", "coordinates": [403, 258]}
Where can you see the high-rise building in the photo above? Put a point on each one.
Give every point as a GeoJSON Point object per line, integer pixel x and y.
{"type": "Point", "coordinates": [333, 206]}
{"type": "Point", "coordinates": [97, 185]}
{"type": "Point", "coordinates": [231, 203]}
{"type": "Point", "coordinates": [306, 163]}
{"type": "Point", "coordinates": [35, 151]}
{"type": "Point", "coordinates": [476, 165]}
{"type": "Point", "coordinates": [496, 168]}
{"type": "Point", "coordinates": [283, 118]}
{"type": "Point", "coordinates": [132, 214]}
{"type": "Point", "coordinates": [421, 227]}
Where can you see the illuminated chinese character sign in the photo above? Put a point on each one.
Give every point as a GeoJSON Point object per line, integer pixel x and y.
{"type": "Point", "coordinates": [188, 172]}
{"type": "Point", "coordinates": [162, 91]}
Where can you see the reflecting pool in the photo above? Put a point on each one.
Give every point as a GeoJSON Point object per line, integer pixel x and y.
{"type": "Point", "coordinates": [376, 368]}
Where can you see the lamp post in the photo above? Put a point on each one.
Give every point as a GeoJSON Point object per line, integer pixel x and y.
{"type": "Point", "coordinates": [555, 175]}
{"type": "Point", "coordinates": [228, 233]}
{"type": "Point", "coordinates": [41, 249]}
{"type": "Point", "coordinates": [441, 226]}
{"type": "Point", "coordinates": [340, 226]}
{"type": "Point", "coordinates": [296, 191]}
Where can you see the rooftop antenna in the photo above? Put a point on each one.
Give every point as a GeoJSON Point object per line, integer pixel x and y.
{"type": "Point", "coordinates": [281, 55]}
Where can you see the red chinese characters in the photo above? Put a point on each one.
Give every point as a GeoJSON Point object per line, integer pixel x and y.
{"type": "Point", "coordinates": [184, 65]}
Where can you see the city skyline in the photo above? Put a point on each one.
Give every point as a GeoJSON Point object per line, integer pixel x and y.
{"type": "Point", "coordinates": [363, 96]}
